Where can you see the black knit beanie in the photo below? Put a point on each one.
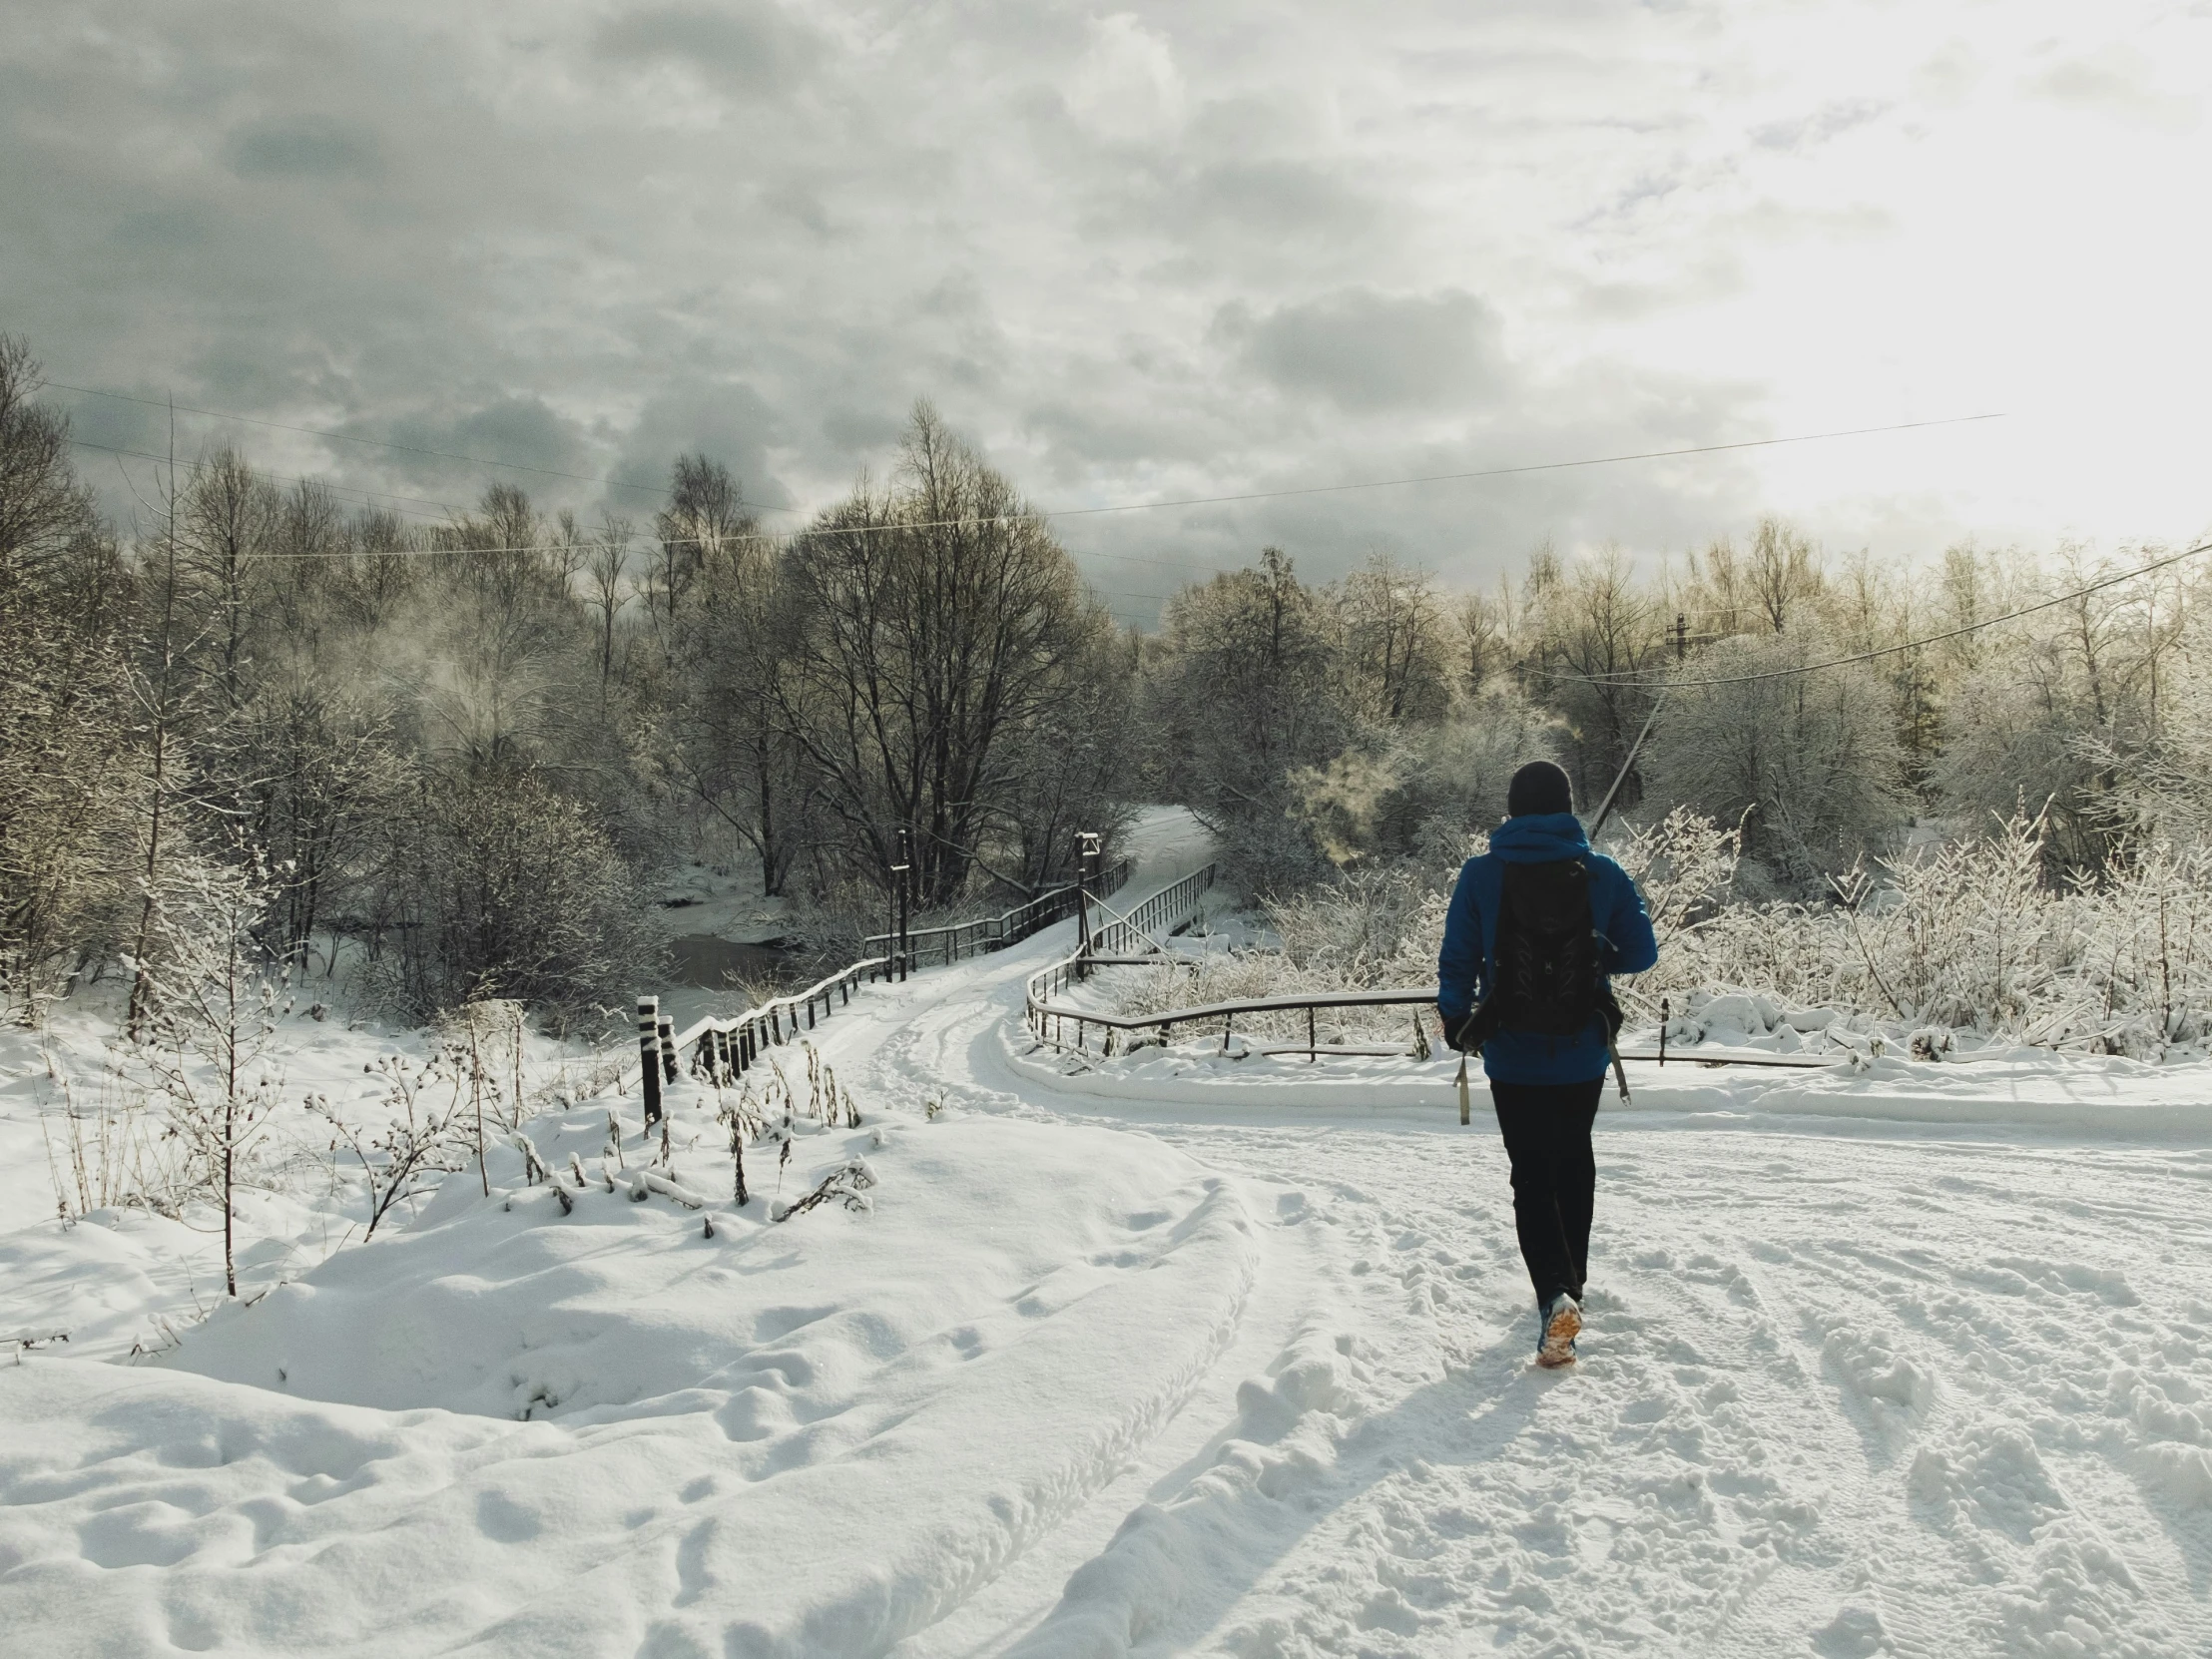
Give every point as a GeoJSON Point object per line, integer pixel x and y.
{"type": "Point", "coordinates": [1538, 787]}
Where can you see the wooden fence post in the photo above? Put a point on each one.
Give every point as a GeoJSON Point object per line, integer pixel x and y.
{"type": "Point", "coordinates": [667, 1036]}
{"type": "Point", "coordinates": [649, 1056]}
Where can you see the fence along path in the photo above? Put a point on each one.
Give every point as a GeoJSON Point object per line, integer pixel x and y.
{"type": "Point", "coordinates": [1136, 937]}
{"type": "Point", "coordinates": [1049, 1021]}
{"type": "Point", "coordinates": [725, 1049]}
{"type": "Point", "coordinates": [950, 943]}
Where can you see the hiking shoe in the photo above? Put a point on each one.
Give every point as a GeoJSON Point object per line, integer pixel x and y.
{"type": "Point", "coordinates": [1562, 1322]}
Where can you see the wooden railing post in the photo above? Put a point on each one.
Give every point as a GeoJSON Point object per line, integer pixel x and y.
{"type": "Point", "coordinates": [649, 1056]}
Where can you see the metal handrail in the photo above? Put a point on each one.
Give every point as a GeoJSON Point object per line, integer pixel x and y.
{"type": "Point", "coordinates": [723, 1050]}
{"type": "Point", "coordinates": [1254, 1005]}
{"type": "Point", "coordinates": [1133, 933]}
{"type": "Point", "coordinates": [1119, 940]}
{"type": "Point", "coordinates": [986, 933]}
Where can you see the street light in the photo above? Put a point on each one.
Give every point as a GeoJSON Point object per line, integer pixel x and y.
{"type": "Point", "coordinates": [902, 874]}
{"type": "Point", "coordinates": [1086, 867]}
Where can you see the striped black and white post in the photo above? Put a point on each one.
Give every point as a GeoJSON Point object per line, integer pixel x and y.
{"type": "Point", "coordinates": [649, 1056]}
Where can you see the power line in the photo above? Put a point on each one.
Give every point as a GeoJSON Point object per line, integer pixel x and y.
{"type": "Point", "coordinates": [378, 443]}
{"type": "Point", "coordinates": [1507, 471]}
{"type": "Point", "coordinates": [1634, 679]}
{"type": "Point", "coordinates": [1077, 512]}
{"type": "Point", "coordinates": [283, 478]}
{"type": "Point", "coordinates": [977, 522]}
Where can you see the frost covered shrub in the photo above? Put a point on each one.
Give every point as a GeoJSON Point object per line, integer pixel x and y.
{"type": "Point", "coordinates": [1456, 787]}
{"type": "Point", "coordinates": [209, 1000]}
{"type": "Point", "coordinates": [1968, 936]}
{"type": "Point", "coordinates": [1359, 929]}
{"type": "Point", "coordinates": [1963, 937]}
{"type": "Point", "coordinates": [1420, 792]}
{"type": "Point", "coordinates": [1809, 764]}
{"type": "Point", "coordinates": [506, 890]}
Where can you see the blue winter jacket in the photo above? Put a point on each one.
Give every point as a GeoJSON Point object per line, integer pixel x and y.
{"type": "Point", "coordinates": [1464, 965]}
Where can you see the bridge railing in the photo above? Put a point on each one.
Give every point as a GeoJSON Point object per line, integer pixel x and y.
{"type": "Point", "coordinates": [725, 1049]}
{"type": "Point", "coordinates": [1119, 939]}
{"type": "Point", "coordinates": [947, 944]}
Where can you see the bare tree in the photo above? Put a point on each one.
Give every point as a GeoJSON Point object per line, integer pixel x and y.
{"type": "Point", "coordinates": [1783, 573]}
{"type": "Point", "coordinates": [226, 521]}
{"type": "Point", "coordinates": [607, 564]}
{"type": "Point", "coordinates": [212, 1000]}
{"type": "Point", "coordinates": [1241, 695]}
{"type": "Point", "coordinates": [703, 522]}
{"type": "Point", "coordinates": [1599, 642]}
{"type": "Point", "coordinates": [1392, 644]}
{"type": "Point", "coordinates": [929, 621]}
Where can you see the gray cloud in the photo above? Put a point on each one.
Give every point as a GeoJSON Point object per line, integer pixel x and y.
{"type": "Point", "coordinates": [727, 421]}
{"type": "Point", "coordinates": [312, 146]}
{"type": "Point", "coordinates": [523, 431]}
{"type": "Point", "coordinates": [1830, 120]}
{"type": "Point", "coordinates": [1167, 252]}
{"type": "Point", "coordinates": [754, 47]}
{"type": "Point", "coordinates": [2116, 81]}
{"type": "Point", "coordinates": [1273, 198]}
{"type": "Point", "coordinates": [1367, 352]}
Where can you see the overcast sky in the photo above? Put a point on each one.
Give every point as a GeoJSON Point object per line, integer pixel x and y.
{"type": "Point", "coordinates": [1170, 250]}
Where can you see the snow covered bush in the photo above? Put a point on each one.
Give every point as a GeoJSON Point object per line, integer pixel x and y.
{"type": "Point", "coordinates": [422, 1137]}
{"type": "Point", "coordinates": [109, 1153]}
{"type": "Point", "coordinates": [505, 888]}
{"type": "Point", "coordinates": [210, 1000]}
{"type": "Point", "coordinates": [1808, 764]}
{"type": "Point", "coordinates": [1419, 791]}
{"type": "Point", "coordinates": [1964, 935]}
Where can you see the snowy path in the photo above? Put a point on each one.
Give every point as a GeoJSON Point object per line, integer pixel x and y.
{"type": "Point", "coordinates": [1862, 1390]}
{"type": "Point", "coordinates": [1252, 1379]}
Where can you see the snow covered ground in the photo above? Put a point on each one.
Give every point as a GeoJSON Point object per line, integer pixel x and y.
{"type": "Point", "coordinates": [1179, 1356]}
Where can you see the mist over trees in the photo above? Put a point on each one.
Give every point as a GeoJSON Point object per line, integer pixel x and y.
{"type": "Point", "coordinates": [460, 755]}
{"type": "Point", "coordinates": [1349, 725]}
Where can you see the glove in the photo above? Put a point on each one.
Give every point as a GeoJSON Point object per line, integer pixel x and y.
{"type": "Point", "coordinates": [1456, 1030]}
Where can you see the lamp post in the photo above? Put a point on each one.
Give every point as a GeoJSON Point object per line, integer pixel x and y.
{"type": "Point", "coordinates": [1086, 871]}
{"type": "Point", "coordinates": [902, 874]}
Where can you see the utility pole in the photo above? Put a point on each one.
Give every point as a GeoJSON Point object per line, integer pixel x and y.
{"type": "Point", "coordinates": [902, 874]}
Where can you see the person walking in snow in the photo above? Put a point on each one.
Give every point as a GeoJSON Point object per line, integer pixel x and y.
{"type": "Point", "coordinates": [1537, 925]}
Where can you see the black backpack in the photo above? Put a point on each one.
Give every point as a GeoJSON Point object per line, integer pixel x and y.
{"type": "Point", "coordinates": [1546, 977]}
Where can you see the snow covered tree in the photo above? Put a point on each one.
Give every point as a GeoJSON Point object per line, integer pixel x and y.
{"type": "Point", "coordinates": [932, 626]}
{"type": "Point", "coordinates": [1241, 693]}
{"type": "Point", "coordinates": [1808, 762]}
{"type": "Point", "coordinates": [212, 1000]}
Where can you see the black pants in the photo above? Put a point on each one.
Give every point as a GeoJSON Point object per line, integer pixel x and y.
{"type": "Point", "coordinates": [1548, 1137]}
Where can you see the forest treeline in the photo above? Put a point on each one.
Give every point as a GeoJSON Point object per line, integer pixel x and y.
{"type": "Point", "coordinates": [471, 748]}
{"type": "Point", "coordinates": [1379, 719]}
